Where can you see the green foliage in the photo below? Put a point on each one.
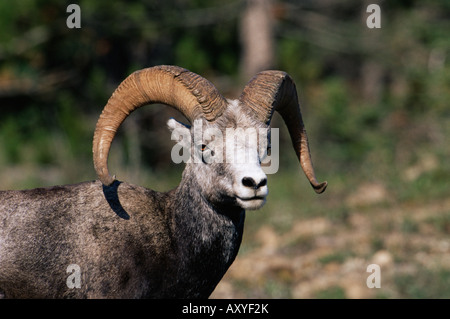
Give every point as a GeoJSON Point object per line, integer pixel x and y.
{"type": "Point", "coordinates": [375, 102]}
{"type": "Point", "coordinates": [440, 223]}
{"type": "Point", "coordinates": [424, 284]}
{"type": "Point", "coordinates": [335, 292]}
{"type": "Point", "coordinates": [338, 257]}
{"type": "Point", "coordinates": [67, 73]}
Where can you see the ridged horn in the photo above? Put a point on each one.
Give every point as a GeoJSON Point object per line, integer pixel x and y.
{"type": "Point", "coordinates": [187, 92]}
{"type": "Point", "coordinates": [274, 90]}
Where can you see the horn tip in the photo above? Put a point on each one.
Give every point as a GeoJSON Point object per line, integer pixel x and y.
{"type": "Point", "coordinates": [320, 188]}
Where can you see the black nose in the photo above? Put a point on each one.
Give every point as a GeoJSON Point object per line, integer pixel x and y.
{"type": "Point", "coordinates": [250, 182]}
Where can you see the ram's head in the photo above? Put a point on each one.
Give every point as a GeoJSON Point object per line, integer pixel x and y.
{"type": "Point", "coordinates": [227, 139]}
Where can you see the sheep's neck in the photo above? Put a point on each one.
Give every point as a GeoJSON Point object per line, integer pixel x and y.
{"type": "Point", "coordinates": [208, 238]}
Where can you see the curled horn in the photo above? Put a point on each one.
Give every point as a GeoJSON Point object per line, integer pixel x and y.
{"type": "Point", "coordinates": [187, 92]}
{"type": "Point", "coordinates": [274, 90]}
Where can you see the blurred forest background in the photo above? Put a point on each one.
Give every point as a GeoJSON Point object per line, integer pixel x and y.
{"type": "Point", "coordinates": [375, 103]}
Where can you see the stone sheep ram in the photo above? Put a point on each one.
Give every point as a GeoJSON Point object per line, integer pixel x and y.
{"type": "Point", "coordinates": [128, 241]}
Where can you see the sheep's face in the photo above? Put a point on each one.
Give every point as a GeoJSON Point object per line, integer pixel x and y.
{"type": "Point", "coordinates": [225, 157]}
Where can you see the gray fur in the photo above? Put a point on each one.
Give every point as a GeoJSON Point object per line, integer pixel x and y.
{"type": "Point", "coordinates": [129, 241]}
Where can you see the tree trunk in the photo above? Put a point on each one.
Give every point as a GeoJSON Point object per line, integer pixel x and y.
{"type": "Point", "coordinates": [256, 32]}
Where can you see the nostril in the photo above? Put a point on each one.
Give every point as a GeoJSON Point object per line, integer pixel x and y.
{"type": "Point", "coordinates": [248, 182]}
{"type": "Point", "coordinates": [262, 183]}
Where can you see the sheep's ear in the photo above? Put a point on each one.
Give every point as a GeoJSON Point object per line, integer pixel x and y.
{"type": "Point", "coordinates": [173, 124]}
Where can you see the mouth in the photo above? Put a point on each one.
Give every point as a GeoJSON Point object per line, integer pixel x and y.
{"type": "Point", "coordinates": [251, 203]}
{"type": "Point", "coordinates": [247, 199]}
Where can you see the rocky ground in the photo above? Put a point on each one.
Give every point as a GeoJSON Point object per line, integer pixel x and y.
{"type": "Point", "coordinates": [322, 257]}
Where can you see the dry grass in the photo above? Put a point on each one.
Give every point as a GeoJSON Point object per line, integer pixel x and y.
{"type": "Point", "coordinates": [327, 257]}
